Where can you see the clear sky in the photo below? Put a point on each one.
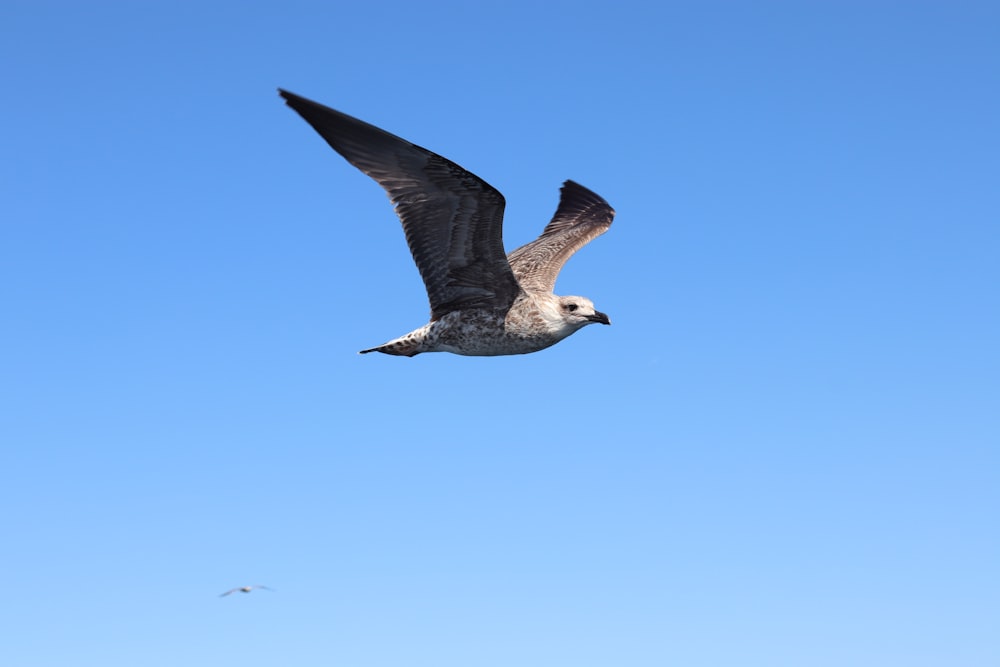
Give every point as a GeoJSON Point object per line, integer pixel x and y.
{"type": "Point", "coordinates": [785, 451]}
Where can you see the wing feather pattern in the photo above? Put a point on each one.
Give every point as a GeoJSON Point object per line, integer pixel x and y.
{"type": "Point", "coordinates": [582, 216]}
{"type": "Point", "coordinates": [452, 218]}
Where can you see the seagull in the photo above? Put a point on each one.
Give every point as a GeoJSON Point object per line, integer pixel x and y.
{"type": "Point", "coordinates": [483, 301]}
{"type": "Point", "coordinates": [244, 589]}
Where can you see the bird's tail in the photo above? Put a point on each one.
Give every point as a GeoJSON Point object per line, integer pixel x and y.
{"type": "Point", "coordinates": [399, 347]}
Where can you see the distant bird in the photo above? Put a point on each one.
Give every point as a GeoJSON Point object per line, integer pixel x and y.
{"type": "Point", "coordinates": [245, 589]}
{"type": "Point", "coordinates": [483, 301]}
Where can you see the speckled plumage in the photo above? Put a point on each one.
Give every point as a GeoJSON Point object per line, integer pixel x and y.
{"type": "Point", "coordinates": [483, 301]}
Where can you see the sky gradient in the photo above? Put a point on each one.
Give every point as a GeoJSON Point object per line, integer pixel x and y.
{"type": "Point", "coordinates": [785, 450]}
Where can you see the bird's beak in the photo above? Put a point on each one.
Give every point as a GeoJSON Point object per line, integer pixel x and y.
{"type": "Point", "coordinates": [598, 316]}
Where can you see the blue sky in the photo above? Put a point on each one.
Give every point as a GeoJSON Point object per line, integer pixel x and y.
{"type": "Point", "coordinates": [783, 452]}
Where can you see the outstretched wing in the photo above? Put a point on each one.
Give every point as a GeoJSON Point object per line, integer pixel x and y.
{"type": "Point", "coordinates": [452, 218]}
{"type": "Point", "coordinates": [582, 216]}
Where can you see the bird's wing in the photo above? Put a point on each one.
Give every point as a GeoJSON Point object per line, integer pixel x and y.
{"type": "Point", "coordinates": [582, 215]}
{"type": "Point", "coordinates": [230, 591]}
{"type": "Point", "coordinates": [452, 218]}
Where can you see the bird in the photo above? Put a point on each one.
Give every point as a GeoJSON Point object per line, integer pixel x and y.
{"type": "Point", "coordinates": [245, 589]}
{"type": "Point", "coordinates": [483, 301]}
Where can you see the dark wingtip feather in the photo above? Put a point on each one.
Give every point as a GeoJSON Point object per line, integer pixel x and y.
{"type": "Point", "coordinates": [584, 197]}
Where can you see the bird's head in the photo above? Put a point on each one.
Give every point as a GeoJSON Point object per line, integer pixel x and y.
{"type": "Point", "coordinates": [578, 312]}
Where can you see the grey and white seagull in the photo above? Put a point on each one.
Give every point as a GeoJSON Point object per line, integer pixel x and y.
{"type": "Point", "coordinates": [484, 302]}
{"type": "Point", "coordinates": [244, 589]}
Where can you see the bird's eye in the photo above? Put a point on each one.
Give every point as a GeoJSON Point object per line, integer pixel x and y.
{"type": "Point", "coordinates": [571, 307]}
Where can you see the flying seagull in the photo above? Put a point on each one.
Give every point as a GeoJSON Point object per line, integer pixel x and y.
{"type": "Point", "coordinates": [244, 589]}
{"type": "Point", "coordinates": [484, 302]}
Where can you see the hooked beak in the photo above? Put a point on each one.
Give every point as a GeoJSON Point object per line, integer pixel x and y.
{"type": "Point", "coordinates": [598, 316]}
